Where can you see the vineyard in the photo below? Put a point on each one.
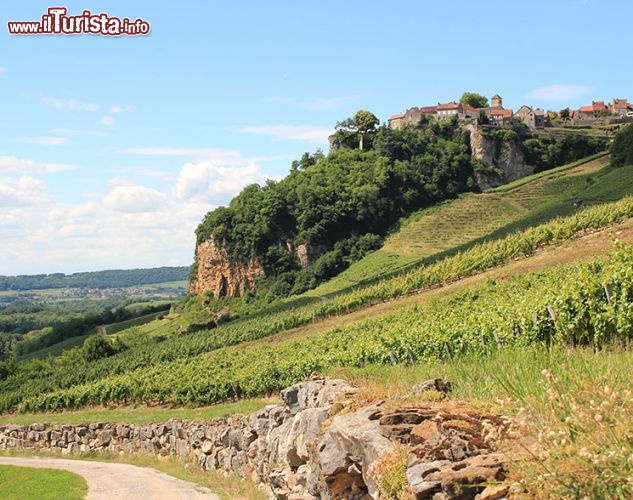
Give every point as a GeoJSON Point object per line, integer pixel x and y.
{"type": "Point", "coordinates": [164, 364]}
{"type": "Point", "coordinates": [458, 224]}
{"type": "Point", "coordinates": [587, 304]}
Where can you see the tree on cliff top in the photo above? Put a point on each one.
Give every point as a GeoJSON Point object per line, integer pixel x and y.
{"type": "Point", "coordinates": [474, 99]}
{"type": "Point", "coordinates": [363, 122]}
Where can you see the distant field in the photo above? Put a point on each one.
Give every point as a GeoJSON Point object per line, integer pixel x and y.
{"type": "Point", "coordinates": [54, 350]}
{"type": "Point", "coordinates": [129, 323]}
{"type": "Point", "coordinates": [458, 224]}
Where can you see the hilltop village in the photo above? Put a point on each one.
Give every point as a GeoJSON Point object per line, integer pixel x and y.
{"type": "Point", "coordinates": [596, 113]}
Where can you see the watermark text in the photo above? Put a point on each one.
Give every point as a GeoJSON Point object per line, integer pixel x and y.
{"type": "Point", "coordinates": [56, 21]}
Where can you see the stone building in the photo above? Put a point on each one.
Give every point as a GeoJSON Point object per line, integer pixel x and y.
{"type": "Point", "coordinates": [533, 118]}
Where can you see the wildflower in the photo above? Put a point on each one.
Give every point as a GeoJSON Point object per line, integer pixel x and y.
{"type": "Point", "coordinates": [547, 374]}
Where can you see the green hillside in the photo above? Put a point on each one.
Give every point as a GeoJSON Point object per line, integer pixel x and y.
{"type": "Point", "coordinates": [206, 351]}
{"type": "Point", "coordinates": [168, 361]}
{"type": "Point", "coordinates": [458, 224]}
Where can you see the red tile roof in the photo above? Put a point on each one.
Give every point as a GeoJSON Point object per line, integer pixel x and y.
{"type": "Point", "coordinates": [448, 105]}
{"type": "Point", "coordinates": [620, 104]}
{"type": "Point", "coordinates": [428, 110]}
{"type": "Point", "coordinates": [502, 113]}
{"type": "Point", "coordinates": [396, 117]}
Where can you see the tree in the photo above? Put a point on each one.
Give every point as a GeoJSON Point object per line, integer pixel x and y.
{"type": "Point", "coordinates": [474, 99]}
{"type": "Point", "coordinates": [97, 347]}
{"type": "Point", "coordinates": [363, 122]}
{"type": "Point", "coordinates": [366, 122]}
{"type": "Point", "coordinates": [564, 113]}
{"type": "Point", "coordinates": [622, 147]}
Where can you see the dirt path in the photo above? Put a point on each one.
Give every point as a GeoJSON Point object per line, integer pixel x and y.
{"type": "Point", "coordinates": [108, 481]}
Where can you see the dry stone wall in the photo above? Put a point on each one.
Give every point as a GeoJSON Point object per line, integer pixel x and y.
{"type": "Point", "coordinates": [313, 444]}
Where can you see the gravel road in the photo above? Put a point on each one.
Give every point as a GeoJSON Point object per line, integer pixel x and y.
{"type": "Point", "coordinates": [120, 481]}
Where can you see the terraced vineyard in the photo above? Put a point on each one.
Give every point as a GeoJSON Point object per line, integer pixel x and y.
{"type": "Point", "coordinates": [458, 224]}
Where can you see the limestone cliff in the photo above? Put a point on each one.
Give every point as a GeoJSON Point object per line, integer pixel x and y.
{"type": "Point", "coordinates": [504, 156]}
{"type": "Point", "coordinates": [222, 275]}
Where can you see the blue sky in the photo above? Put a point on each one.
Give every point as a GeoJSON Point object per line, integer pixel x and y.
{"type": "Point", "coordinates": [112, 149]}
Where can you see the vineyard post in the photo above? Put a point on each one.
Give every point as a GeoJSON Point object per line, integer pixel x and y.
{"type": "Point", "coordinates": [496, 337]}
{"type": "Point", "coordinates": [448, 351]}
{"type": "Point", "coordinates": [552, 313]}
{"type": "Point", "coordinates": [607, 292]}
{"type": "Point", "coordinates": [392, 358]}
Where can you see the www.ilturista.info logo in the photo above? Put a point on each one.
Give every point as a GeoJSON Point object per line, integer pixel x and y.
{"type": "Point", "coordinates": [57, 22]}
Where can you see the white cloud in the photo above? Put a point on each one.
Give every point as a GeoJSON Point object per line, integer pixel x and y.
{"type": "Point", "coordinates": [72, 132]}
{"type": "Point", "coordinates": [21, 165]}
{"type": "Point", "coordinates": [157, 174]}
{"type": "Point", "coordinates": [559, 92]}
{"type": "Point", "coordinates": [214, 184]}
{"type": "Point", "coordinates": [134, 199]}
{"type": "Point", "coordinates": [3, 72]}
{"type": "Point", "coordinates": [45, 140]}
{"type": "Point", "coordinates": [70, 104]}
{"type": "Point", "coordinates": [120, 181]}
{"type": "Point", "coordinates": [121, 109]}
{"type": "Point", "coordinates": [127, 226]}
{"type": "Point", "coordinates": [107, 120]}
{"type": "Point", "coordinates": [23, 192]}
{"type": "Point", "coordinates": [307, 133]}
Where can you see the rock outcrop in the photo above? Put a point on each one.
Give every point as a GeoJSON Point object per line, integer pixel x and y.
{"type": "Point", "coordinates": [506, 156]}
{"type": "Point", "coordinates": [222, 275]}
{"type": "Point", "coordinates": [314, 444]}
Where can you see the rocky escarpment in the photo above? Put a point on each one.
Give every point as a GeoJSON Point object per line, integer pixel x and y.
{"type": "Point", "coordinates": [314, 444]}
{"type": "Point", "coordinates": [222, 275]}
{"type": "Point", "coordinates": [217, 272]}
{"type": "Point", "coordinates": [506, 156]}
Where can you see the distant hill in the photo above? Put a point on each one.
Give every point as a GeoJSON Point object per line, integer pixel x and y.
{"type": "Point", "coordinates": [116, 278]}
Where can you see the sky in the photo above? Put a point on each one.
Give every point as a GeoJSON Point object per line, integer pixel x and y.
{"type": "Point", "coordinates": [112, 149]}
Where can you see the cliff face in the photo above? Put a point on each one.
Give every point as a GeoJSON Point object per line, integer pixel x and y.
{"type": "Point", "coordinates": [506, 156]}
{"type": "Point", "coordinates": [220, 274]}
{"type": "Point", "coordinates": [227, 277]}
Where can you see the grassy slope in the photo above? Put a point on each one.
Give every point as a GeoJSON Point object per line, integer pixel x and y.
{"type": "Point", "coordinates": [26, 483]}
{"type": "Point", "coordinates": [458, 224]}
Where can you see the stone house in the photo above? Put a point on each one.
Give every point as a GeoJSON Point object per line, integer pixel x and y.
{"type": "Point", "coordinates": [532, 118]}
{"type": "Point", "coordinates": [500, 117]}
{"type": "Point", "coordinates": [459, 109]}
{"type": "Point", "coordinates": [620, 107]}
{"type": "Point", "coordinates": [396, 121]}
{"type": "Point", "coordinates": [592, 110]}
